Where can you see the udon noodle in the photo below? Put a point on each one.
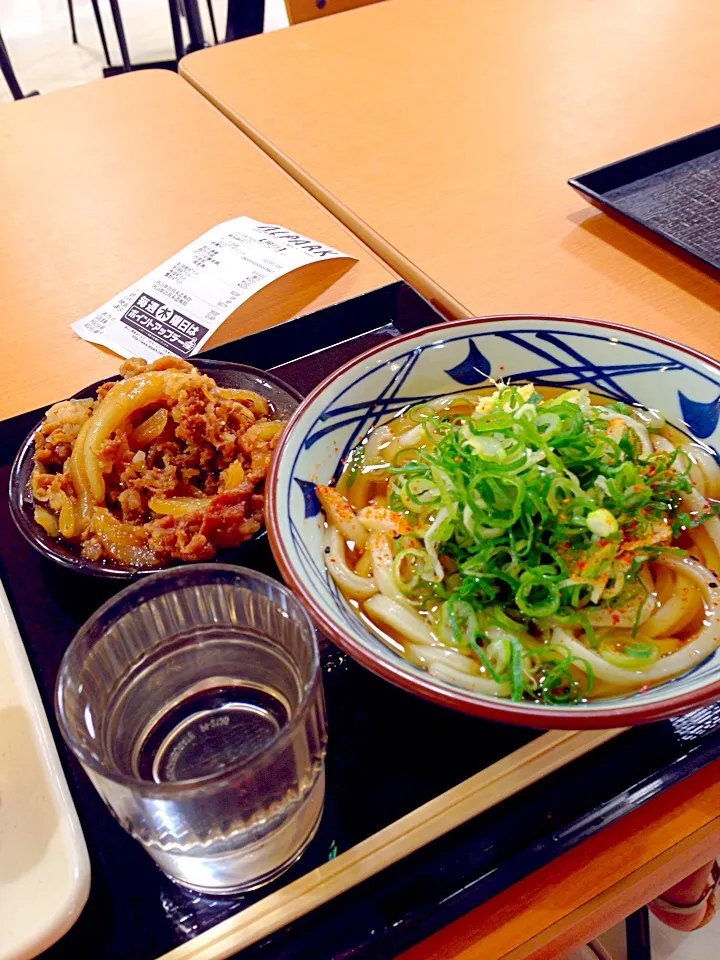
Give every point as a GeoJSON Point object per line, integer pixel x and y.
{"type": "Point", "coordinates": [539, 545]}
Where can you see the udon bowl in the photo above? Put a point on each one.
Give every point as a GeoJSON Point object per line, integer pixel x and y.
{"type": "Point", "coordinates": [283, 397]}
{"type": "Point", "coordinates": [619, 362]}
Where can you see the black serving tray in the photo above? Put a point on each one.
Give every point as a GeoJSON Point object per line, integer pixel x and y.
{"type": "Point", "coordinates": [671, 194]}
{"type": "Point", "coordinates": [389, 751]}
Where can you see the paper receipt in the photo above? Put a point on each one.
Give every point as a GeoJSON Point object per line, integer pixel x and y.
{"type": "Point", "coordinates": [178, 306]}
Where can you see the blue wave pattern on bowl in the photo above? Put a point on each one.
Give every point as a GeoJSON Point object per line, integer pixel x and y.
{"type": "Point", "coordinates": [624, 367]}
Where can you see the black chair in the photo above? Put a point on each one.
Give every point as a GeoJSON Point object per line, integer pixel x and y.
{"type": "Point", "coordinates": [98, 21]}
{"type": "Point", "coordinates": [179, 10]}
{"type": "Point", "coordinates": [637, 935]}
{"type": "Point", "coordinates": [244, 18]}
{"type": "Point", "coordinates": [6, 68]}
{"type": "Point", "coordinates": [190, 10]}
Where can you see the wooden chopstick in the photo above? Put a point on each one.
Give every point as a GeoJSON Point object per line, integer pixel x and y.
{"type": "Point", "coordinates": [418, 828]}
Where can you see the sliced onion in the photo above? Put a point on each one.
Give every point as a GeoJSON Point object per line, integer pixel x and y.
{"type": "Point", "coordinates": [47, 520]}
{"type": "Point", "coordinates": [178, 506]}
{"type": "Point", "coordinates": [123, 541]}
{"type": "Point", "coordinates": [150, 429]}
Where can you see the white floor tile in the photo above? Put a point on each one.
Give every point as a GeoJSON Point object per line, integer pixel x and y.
{"type": "Point", "coordinates": [582, 953]}
{"type": "Point", "coordinates": [669, 944]}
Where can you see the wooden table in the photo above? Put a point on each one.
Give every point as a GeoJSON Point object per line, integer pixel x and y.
{"type": "Point", "coordinates": [100, 184]}
{"type": "Point", "coordinates": [443, 134]}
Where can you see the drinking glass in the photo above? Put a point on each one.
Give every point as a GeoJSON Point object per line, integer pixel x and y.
{"type": "Point", "coordinates": [194, 701]}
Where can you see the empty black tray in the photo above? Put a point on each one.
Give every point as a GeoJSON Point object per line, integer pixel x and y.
{"type": "Point", "coordinates": [670, 193]}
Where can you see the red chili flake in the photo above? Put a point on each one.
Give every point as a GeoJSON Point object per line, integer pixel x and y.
{"type": "Point", "coordinates": [616, 618]}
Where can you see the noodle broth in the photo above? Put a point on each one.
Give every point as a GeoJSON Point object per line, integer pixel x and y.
{"type": "Point", "coordinates": [585, 570]}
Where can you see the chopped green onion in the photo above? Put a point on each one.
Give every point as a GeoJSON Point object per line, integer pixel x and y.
{"type": "Point", "coordinates": [629, 656]}
{"type": "Point", "coordinates": [528, 513]}
{"type": "Point", "coordinates": [417, 560]}
{"type": "Point", "coordinates": [357, 459]}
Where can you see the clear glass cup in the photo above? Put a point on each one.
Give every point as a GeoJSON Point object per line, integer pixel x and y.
{"type": "Point", "coordinates": [194, 701]}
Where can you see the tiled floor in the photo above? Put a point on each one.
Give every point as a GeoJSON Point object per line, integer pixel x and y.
{"type": "Point", "coordinates": [669, 944]}
{"type": "Point", "coordinates": [37, 35]}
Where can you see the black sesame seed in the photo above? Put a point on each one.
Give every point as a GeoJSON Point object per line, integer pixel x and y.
{"type": "Point", "coordinates": [327, 549]}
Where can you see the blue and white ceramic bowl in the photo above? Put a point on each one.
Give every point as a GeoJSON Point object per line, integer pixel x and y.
{"type": "Point", "coordinates": [620, 362]}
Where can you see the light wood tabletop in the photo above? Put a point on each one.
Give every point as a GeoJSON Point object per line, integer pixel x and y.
{"type": "Point", "coordinates": [582, 893]}
{"type": "Point", "coordinates": [100, 184]}
{"type": "Point", "coordinates": [444, 134]}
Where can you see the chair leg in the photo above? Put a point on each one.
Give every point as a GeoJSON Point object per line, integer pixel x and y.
{"type": "Point", "coordinates": [101, 30]}
{"type": "Point", "coordinates": [120, 31]}
{"type": "Point", "coordinates": [194, 23]}
{"type": "Point", "coordinates": [73, 28]}
{"type": "Point", "coordinates": [211, 14]}
{"type": "Point", "coordinates": [7, 71]}
{"type": "Point", "coordinates": [637, 935]}
{"type": "Point", "coordinates": [176, 24]}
